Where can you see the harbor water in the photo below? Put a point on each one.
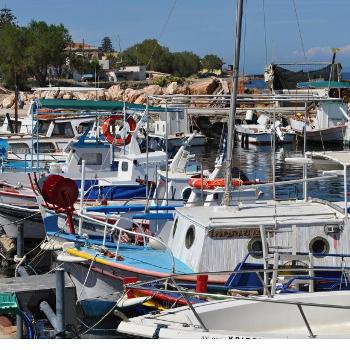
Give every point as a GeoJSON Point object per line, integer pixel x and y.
{"type": "Point", "coordinates": [256, 162]}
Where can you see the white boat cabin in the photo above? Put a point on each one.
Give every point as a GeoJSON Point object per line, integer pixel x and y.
{"type": "Point", "coordinates": [218, 238]}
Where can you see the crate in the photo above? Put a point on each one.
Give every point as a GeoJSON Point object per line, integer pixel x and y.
{"type": "Point", "coordinates": [8, 303]}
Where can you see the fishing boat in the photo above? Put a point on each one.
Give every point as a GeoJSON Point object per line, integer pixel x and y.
{"type": "Point", "coordinates": [330, 121]}
{"type": "Point", "coordinates": [112, 172]}
{"type": "Point", "coordinates": [171, 129]}
{"type": "Point", "coordinates": [264, 131]}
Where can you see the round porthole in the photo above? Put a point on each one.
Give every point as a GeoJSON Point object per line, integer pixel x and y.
{"type": "Point", "coordinates": [175, 226]}
{"type": "Point", "coordinates": [319, 245]}
{"type": "Point", "coordinates": [186, 193]}
{"type": "Point", "coordinates": [189, 239]}
{"type": "Point", "coordinates": [255, 248]}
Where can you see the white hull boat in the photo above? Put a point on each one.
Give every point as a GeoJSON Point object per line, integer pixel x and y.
{"type": "Point", "coordinates": [302, 315]}
{"type": "Point", "coordinates": [330, 123]}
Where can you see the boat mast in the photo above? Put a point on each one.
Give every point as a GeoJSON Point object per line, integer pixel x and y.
{"type": "Point", "coordinates": [233, 103]}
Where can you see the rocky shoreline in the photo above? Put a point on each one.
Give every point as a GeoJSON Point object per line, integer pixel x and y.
{"type": "Point", "coordinates": [118, 93]}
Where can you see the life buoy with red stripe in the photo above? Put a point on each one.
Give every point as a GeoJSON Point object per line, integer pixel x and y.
{"type": "Point", "coordinates": [211, 184]}
{"type": "Point", "coordinates": [118, 141]}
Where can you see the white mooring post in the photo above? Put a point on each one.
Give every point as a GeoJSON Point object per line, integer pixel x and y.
{"type": "Point", "coordinates": [82, 186]}
{"type": "Point", "coordinates": [345, 191]}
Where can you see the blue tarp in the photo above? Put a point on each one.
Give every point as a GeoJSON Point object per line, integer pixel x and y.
{"type": "Point", "coordinates": [154, 216]}
{"type": "Point", "coordinates": [116, 192]}
{"type": "Point", "coordinates": [129, 208]}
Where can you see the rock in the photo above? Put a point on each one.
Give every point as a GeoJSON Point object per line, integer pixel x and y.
{"type": "Point", "coordinates": [8, 101]}
{"type": "Point", "coordinates": [3, 90]}
{"type": "Point", "coordinates": [101, 95]}
{"type": "Point", "coordinates": [183, 90]}
{"type": "Point", "coordinates": [171, 88]}
{"type": "Point", "coordinates": [61, 94]}
{"type": "Point", "coordinates": [153, 90]}
{"type": "Point", "coordinates": [132, 96]}
{"type": "Point", "coordinates": [91, 95]}
{"type": "Point", "coordinates": [29, 97]}
{"type": "Point", "coordinates": [204, 87]}
{"type": "Point", "coordinates": [115, 91]}
{"type": "Point", "coordinates": [52, 94]}
{"type": "Point", "coordinates": [8, 332]}
{"type": "Point", "coordinates": [67, 96]}
{"type": "Point", "coordinates": [80, 95]}
{"type": "Point", "coordinates": [7, 245]}
{"type": "Point", "coordinates": [142, 99]}
{"type": "Point", "coordinates": [5, 322]}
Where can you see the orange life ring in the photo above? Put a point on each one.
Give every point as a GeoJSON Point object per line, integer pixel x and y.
{"type": "Point", "coordinates": [110, 137]}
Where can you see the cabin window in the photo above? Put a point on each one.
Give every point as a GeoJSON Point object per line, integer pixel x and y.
{"type": "Point", "coordinates": [91, 159]}
{"type": "Point", "coordinates": [63, 129]}
{"type": "Point", "coordinates": [81, 128]}
{"type": "Point", "coordinates": [43, 127]}
{"type": "Point", "coordinates": [190, 236]}
{"type": "Point", "coordinates": [186, 193]}
{"type": "Point", "coordinates": [319, 245]}
{"type": "Point", "coordinates": [175, 226]}
{"type": "Point", "coordinates": [125, 166]}
{"type": "Point", "coordinates": [255, 248]}
{"type": "Point", "coordinates": [45, 147]}
{"type": "Point", "coordinates": [19, 148]}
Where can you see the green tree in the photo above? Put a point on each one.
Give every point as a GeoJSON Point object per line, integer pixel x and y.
{"type": "Point", "coordinates": [212, 62]}
{"type": "Point", "coordinates": [149, 53]}
{"type": "Point", "coordinates": [106, 44]}
{"type": "Point", "coordinates": [46, 48]}
{"type": "Point", "coordinates": [13, 62]}
{"type": "Point", "coordinates": [7, 17]}
{"type": "Point", "coordinates": [185, 63]}
{"type": "Point", "coordinates": [115, 60]}
{"type": "Point", "coordinates": [94, 66]}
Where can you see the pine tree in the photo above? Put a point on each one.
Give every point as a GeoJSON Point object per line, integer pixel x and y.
{"type": "Point", "coordinates": [7, 17]}
{"type": "Point", "coordinates": [106, 44]}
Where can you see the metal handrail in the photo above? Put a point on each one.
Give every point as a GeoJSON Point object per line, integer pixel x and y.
{"type": "Point", "coordinates": [114, 227]}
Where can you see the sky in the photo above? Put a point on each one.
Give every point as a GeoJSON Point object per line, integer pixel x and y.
{"type": "Point", "coordinates": [205, 26]}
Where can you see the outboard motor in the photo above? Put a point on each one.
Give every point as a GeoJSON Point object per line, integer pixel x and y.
{"type": "Point", "coordinates": [278, 130]}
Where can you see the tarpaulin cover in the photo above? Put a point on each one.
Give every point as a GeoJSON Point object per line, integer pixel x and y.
{"type": "Point", "coordinates": [116, 192]}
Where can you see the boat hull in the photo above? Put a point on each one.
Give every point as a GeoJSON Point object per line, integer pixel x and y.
{"type": "Point", "coordinates": [261, 138]}
{"type": "Point", "coordinates": [279, 317]}
{"type": "Point", "coordinates": [331, 134]}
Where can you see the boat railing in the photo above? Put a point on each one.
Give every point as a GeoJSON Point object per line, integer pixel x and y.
{"type": "Point", "coordinates": [121, 230]}
{"type": "Point", "coordinates": [186, 294]}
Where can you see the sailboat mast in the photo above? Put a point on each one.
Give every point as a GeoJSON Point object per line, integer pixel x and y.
{"type": "Point", "coordinates": [233, 103]}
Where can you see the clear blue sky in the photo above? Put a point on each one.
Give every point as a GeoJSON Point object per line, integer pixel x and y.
{"type": "Point", "coordinates": [204, 26]}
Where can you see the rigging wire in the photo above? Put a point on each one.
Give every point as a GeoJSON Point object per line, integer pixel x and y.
{"type": "Point", "coordinates": [308, 74]}
{"type": "Point", "coordinates": [265, 31]}
{"type": "Point", "coordinates": [162, 30]}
